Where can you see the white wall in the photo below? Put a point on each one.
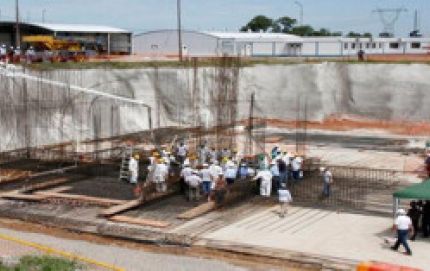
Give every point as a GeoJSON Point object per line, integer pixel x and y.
{"type": "Point", "coordinates": [164, 43]}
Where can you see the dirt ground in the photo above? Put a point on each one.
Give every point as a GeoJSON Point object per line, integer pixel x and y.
{"type": "Point", "coordinates": [346, 124]}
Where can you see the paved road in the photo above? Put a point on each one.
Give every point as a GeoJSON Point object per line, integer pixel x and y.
{"type": "Point", "coordinates": [131, 260]}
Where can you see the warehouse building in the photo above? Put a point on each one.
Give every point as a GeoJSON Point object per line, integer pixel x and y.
{"type": "Point", "coordinates": [164, 43]}
{"type": "Point", "coordinates": [109, 39]}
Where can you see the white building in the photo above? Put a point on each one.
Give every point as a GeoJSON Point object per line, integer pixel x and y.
{"type": "Point", "coordinates": [164, 43]}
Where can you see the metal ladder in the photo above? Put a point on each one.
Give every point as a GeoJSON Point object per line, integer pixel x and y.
{"type": "Point", "coordinates": [124, 172]}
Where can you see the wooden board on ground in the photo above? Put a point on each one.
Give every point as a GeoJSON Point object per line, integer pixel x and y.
{"type": "Point", "coordinates": [59, 189]}
{"type": "Point", "coordinates": [122, 208]}
{"type": "Point", "coordinates": [19, 196]}
{"type": "Point", "coordinates": [94, 200]}
{"type": "Point", "coordinates": [49, 184]}
{"type": "Point", "coordinates": [198, 211]}
{"type": "Point", "coordinates": [134, 204]}
{"type": "Point", "coordinates": [139, 221]}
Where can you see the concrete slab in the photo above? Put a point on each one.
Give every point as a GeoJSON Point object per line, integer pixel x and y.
{"type": "Point", "coordinates": [323, 232]}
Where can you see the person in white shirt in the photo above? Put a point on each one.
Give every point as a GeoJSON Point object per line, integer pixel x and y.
{"type": "Point", "coordinates": [206, 175]}
{"type": "Point", "coordinates": [161, 173]}
{"type": "Point", "coordinates": [265, 178]}
{"type": "Point", "coordinates": [215, 170]}
{"type": "Point", "coordinates": [182, 152]}
{"type": "Point", "coordinates": [133, 167]}
{"type": "Point", "coordinates": [230, 173]}
{"type": "Point", "coordinates": [193, 181]}
{"type": "Point", "coordinates": [403, 225]}
{"type": "Point", "coordinates": [296, 167]}
{"type": "Point", "coordinates": [327, 177]}
{"type": "Point", "coordinates": [3, 53]}
{"type": "Point", "coordinates": [284, 199]}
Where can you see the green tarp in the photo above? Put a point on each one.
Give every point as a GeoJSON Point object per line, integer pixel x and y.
{"type": "Point", "coordinates": [417, 191]}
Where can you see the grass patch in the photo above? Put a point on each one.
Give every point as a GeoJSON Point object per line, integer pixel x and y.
{"type": "Point", "coordinates": [43, 263]}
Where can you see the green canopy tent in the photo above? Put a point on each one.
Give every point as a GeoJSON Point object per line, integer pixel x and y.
{"type": "Point", "coordinates": [419, 191]}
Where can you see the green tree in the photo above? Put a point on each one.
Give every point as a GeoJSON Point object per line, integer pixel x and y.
{"type": "Point", "coordinates": [367, 35]}
{"type": "Point", "coordinates": [303, 30]}
{"type": "Point", "coordinates": [285, 24]}
{"type": "Point", "coordinates": [353, 34]}
{"type": "Point", "coordinates": [258, 23]}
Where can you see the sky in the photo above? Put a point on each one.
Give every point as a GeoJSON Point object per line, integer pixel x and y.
{"type": "Point", "coordinates": [219, 15]}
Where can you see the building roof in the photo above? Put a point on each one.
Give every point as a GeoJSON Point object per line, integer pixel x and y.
{"type": "Point", "coordinates": [81, 28]}
{"type": "Point", "coordinates": [77, 28]}
{"type": "Point", "coordinates": [417, 191]}
{"type": "Point", "coordinates": [251, 36]}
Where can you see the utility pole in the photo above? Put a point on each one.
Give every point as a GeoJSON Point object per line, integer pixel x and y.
{"type": "Point", "coordinates": [17, 35]}
{"type": "Point", "coordinates": [179, 30]}
{"type": "Point", "coordinates": [43, 15]}
{"type": "Point", "coordinates": [250, 146]}
{"type": "Point", "coordinates": [300, 5]}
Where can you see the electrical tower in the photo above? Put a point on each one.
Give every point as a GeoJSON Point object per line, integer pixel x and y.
{"type": "Point", "coordinates": [388, 21]}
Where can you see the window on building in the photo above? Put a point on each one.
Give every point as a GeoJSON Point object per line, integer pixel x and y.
{"type": "Point", "coordinates": [353, 46]}
{"type": "Point", "coordinates": [367, 45]}
{"type": "Point", "coordinates": [154, 46]}
{"type": "Point", "coordinates": [361, 45]}
{"type": "Point", "coordinates": [380, 45]}
{"type": "Point", "coordinates": [394, 45]}
{"type": "Point", "coordinates": [415, 45]}
{"type": "Point", "coordinates": [374, 45]}
{"type": "Point", "coordinates": [345, 46]}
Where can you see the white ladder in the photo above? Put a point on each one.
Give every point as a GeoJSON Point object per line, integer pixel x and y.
{"type": "Point", "coordinates": [124, 172]}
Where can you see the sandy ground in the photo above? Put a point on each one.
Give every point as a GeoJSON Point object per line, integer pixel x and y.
{"type": "Point", "coordinates": [322, 232]}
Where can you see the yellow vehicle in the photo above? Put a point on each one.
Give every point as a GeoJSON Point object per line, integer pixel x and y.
{"type": "Point", "coordinates": [62, 50]}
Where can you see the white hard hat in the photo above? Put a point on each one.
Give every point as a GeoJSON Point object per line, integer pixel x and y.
{"type": "Point", "coordinates": [322, 169]}
{"type": "Point", "coordinates": [205, 165]}
{"type": "Point", "coordinates": [401, 212]}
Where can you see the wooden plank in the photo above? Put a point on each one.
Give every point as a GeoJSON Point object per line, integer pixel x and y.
{"type": "Point", "coordinates": [59, 189]}
{"type": "Point", "coordinates": [139, 221]}
{"type": "Point", "coordinates": [134, 204]}
{"type": "Point", "coordinates": [122, 208]}
{"type": "Point", "coordinates": [95, 200]}
{"type": "Point", "coordinates": [52, 183]}
{"type": "Point", "coordinates": [198, 211]}
{"type": "Point", "coordinates": [19, 196]}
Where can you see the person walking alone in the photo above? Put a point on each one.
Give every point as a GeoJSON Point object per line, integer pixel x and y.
{"type": "Point", "coordinates": [327, 182]}
{"type": "Point", "coordinates": [403, 225]}
{"type": "Point", "coordinates": [284, 199]}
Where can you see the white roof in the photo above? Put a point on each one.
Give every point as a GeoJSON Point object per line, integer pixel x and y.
{"type": "Point", "coordinates": [81, 28]}
{"type": "Point", "coordinates": [251, 36]}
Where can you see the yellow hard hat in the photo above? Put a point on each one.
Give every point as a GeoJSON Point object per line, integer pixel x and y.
{"type": "Point", "coordinates": [137, 156]}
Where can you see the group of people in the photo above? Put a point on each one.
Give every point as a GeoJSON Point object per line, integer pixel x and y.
{"type": "Point", "coordinates": [209, 172]}
{"type": "Point", "coordinates": [15, 54]}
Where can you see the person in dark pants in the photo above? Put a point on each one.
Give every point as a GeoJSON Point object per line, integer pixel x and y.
{"type": "Point", "coordinates": [275, 176]}
{"type": "Point", "coordinates": [427, 164]}
{"type": "Point", "coordinates": [426, 219]}
{"type": "Point", "coordinates": [403, 225]}
{"type": "Point", "coordinates": [414, 213]}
